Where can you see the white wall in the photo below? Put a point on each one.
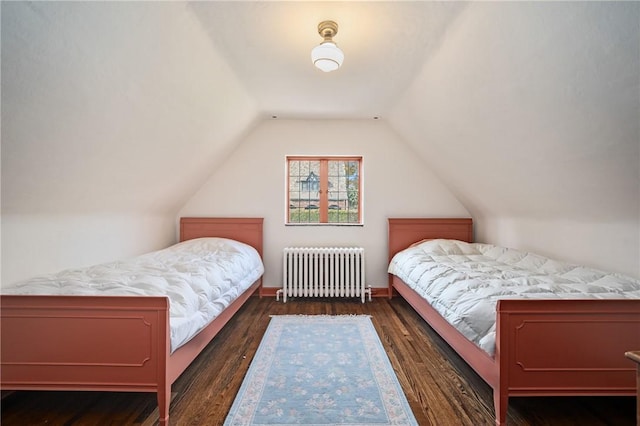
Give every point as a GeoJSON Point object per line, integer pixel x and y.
{"type": "Point", "coordinates": [252, 183]}
{"type": "Point", "coordinates": [529, 112]}
{"type": "Point", "coordinates": [39, 244]}
{"type": "Point", "coordinates": [113, 114]}
{"type": "Point", "coordinates": [609, 246]}
{"type": "Point", "coordinates": [112, 106]}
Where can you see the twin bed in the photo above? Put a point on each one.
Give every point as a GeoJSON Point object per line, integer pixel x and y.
{"type": "Point", "coordinates": [529, 326]}
{"type": "Point", "coordinates": [125, 339]}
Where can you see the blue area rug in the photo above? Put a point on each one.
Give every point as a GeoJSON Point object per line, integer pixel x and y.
{"type": "Point", "coordinates": [320, 370]}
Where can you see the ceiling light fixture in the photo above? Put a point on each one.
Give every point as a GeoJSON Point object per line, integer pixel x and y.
{"type": "Point", "coordinates": [327, 56]}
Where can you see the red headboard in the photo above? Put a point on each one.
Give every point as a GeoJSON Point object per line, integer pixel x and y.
{"type": "Point", "coordinates": [404, 232]}
{"type": "Point", "coordinates": [245, 230]}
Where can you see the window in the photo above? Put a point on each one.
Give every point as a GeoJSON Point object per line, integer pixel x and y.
{"type": "Point", "coordinates": [324, 190]}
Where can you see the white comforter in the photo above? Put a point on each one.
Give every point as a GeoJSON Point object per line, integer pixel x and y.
{"type": "Point", "coordinates": [201, 277]}
{"type": "Point", "coordinates": [464, 281]}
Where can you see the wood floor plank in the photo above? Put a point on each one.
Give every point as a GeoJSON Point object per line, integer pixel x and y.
{"type": "Point", "coordinates": [440, 386]}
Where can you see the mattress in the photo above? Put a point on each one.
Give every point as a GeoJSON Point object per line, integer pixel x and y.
{"type": "Point", "coordinates": [463, 282]}
{"type": "Point", "coordinates": [201, 277]}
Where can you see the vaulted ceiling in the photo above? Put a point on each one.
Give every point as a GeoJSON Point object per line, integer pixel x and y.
{"type": "Point", "coordinates": [523, 109]}
{"type": "Point", "coordinates": [268, 45]}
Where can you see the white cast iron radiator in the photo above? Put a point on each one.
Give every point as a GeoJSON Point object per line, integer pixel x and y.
{"type": "Point", "coordinates": [323, 272]}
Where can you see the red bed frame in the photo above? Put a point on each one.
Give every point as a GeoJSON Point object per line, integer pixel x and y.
{"type": "Point", "coordinates": [543, 347]}
{"type": "Point", "coordinates": [109, 343]}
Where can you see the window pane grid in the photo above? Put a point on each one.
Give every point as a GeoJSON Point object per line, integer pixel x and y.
{"type": "Point", "coordinates": [323, 193]}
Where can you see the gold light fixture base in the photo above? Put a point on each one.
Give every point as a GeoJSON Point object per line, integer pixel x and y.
{"type": "Point", "coordinates": [327, 29]}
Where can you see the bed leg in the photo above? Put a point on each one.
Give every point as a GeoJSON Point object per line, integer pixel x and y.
{"type": "Point", "coordinates": [500, 404]}
{"type": "Point", "coordinates": [164, 401]}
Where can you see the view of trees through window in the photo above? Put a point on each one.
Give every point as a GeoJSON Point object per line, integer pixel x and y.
{"type": "Point", "coordinates": [324, 190]}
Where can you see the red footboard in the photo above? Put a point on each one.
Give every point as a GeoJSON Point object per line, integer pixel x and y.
{"type": "Point", "coordinates": [74, 342]}
{"type": "Point", "coordinates": [574, 347]}
{"type": "Point", "coordinates": [549, 347]}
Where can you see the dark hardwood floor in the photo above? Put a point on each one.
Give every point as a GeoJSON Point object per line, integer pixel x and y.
{"type": "Point", "coordinates": [440, 387]}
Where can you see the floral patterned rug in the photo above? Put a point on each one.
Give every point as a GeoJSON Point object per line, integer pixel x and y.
{"type": "Point", "coordinates": [320, 370]}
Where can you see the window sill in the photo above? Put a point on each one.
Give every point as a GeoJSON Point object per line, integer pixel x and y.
{"type": "Point", "coordinates": [324, 224]}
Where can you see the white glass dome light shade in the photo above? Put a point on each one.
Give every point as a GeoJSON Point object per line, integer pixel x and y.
{"type": "Point", "coordinates": [327, 56]}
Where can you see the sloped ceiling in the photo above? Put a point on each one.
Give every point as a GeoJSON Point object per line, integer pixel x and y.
{"type": "Point", "coordinates": [533, 110]}
{"type": "Point", "coordinates": [521, 108]}
{"type": "Point", "coordinates": [112, 107]}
